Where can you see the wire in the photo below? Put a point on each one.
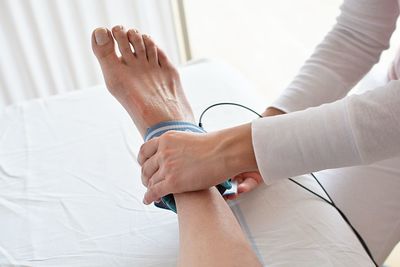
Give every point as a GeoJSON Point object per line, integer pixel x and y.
{"type": "Point", "coordinates": [225, 103]}
{"type": "Point", "coordinates": [330, 201]}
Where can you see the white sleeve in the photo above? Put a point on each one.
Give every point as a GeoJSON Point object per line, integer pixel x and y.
{"type": "Point", "coordinates": [358, 129]}
{"type": "Point", "coordinates": [347, 53]}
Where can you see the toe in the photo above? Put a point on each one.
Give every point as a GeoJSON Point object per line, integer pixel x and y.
{"type": "Point", "coordinates": [151, 50]}
{"type": "Point", "coordinates": [124, 46]}
{"type": "Point", "coordinates": [135, 38]}
{"type": "Point", "coordinates": [166, 64]}
{"type": "Point", "coordinates": [163, 59]}
{"type": "Point", "coordinates": [103, 46]}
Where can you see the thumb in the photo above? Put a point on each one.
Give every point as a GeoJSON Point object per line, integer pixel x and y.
{"type": "Point", "coordinates": [244, 185]}
{"type": "Point", "coordinates": [247, 185]}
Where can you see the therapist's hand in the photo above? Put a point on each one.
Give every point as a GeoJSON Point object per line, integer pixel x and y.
{"type": "Point", "coordinates": [178, 162]}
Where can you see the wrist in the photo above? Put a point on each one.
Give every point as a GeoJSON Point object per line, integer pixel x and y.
{"type": "Point", "coordinates": [235, 150]}
{"type": "Point", "coordinates": [271, 111]}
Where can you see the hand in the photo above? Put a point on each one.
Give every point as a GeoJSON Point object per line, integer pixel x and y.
{"type": "Point", "coordinates": [178, 162]}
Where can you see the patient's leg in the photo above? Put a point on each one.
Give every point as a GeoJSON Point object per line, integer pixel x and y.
{"type": "Point", "coordinates": [209, 232]}
{"type": "Point", "coordinates": [148, 87]}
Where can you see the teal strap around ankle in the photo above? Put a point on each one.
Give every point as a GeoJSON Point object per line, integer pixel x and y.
{"type": "Point", "coordinates": [168, 201]}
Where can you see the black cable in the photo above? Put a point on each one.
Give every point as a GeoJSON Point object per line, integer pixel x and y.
{"type": "Point", "coordinates": [224, 103]}
{"type": "Point", "coordinates": [330, 201]}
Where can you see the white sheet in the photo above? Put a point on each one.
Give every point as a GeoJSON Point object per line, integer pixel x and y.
{"type": "Point", "coordinates": [70, 190]}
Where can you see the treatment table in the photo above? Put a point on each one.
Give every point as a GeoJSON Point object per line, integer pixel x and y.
{"type": "Point", "coordinates": [71, 193]}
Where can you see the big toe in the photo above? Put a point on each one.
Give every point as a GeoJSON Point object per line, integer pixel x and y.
{"type": "Point", "coordinates": [103, 46]}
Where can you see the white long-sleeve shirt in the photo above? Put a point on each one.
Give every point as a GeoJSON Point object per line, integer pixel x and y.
{"type": "Point", "coordinates": [354, 130]}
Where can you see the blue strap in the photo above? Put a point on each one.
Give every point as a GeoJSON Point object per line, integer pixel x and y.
{"type": "Point", "coordinates": [168, 201]}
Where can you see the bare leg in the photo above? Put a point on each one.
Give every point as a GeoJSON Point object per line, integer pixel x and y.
{"type": "Point", "coordinates": [148, 87]}
{"type": "Point", "coordinates": [209, 232]}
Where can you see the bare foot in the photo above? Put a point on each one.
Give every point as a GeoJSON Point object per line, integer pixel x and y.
{"type": "Point", "coordinates": [144, 81]}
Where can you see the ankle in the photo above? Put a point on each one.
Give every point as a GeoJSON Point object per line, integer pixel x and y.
{"type": "Point", "coordinates": [146, 115]}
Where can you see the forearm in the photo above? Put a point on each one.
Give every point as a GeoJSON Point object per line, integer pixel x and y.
{"type": "Point", "coordinates": [359, 129]}
{"type": "Point", "coordinates": [235, 147]}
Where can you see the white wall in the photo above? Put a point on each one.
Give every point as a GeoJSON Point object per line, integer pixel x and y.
{"type": "Point", "coordinates": [45, 44]}
{"type": "Point", "coordinates": [267, 40]}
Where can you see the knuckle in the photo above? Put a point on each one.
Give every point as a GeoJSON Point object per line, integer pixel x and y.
{"type": "Point", "coordinates": [161, 172]}
{"type": "Point", "coordinates": [146, 172]}
{"type": "Point", "coordinates": [169, 135]}
{"type": "Point", "coordinates": [163, 154]}
{"type": "Point", "coordinates": [141, 150]}
{"type": "Point", "coordinates": [170, 166]}
{"type": "Point", "coordinates": [143, 171]}
{"type": "Point", "coordinates": [144, 182]}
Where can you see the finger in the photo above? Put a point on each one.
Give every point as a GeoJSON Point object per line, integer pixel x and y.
{"type": "Point", "coordinates": [149, 168]}
{"type": "Point", "coordinates": [155, 192]}
{"type": "Point", "coordinates": [230, 196]}
{"type": "Point", "coordinates": [238, 178]}
{"type": "Point", "coordinates": [247, 185]}
{"type": "Point", "coordinates": [147, 150]}
{"type": "Point", "coordinates": [155, 179]}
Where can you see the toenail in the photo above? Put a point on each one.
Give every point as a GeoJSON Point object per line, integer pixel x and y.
{"type": "Point", "coordinates": [133, 31]}
{"type": "Point", "coordinates": [101, 36]}
{"type": "Point", "coordinates": [118, 28]}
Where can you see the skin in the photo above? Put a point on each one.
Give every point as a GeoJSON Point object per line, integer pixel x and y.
{"type": "Point", "coordinates": [148, 87]}
{"type": "Point", "coordinates": [129, 77]}
{"type": "Point", "coordinates": [248, 181]}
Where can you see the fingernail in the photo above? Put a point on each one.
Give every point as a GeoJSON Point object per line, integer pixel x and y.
{"type": "Point", "coordinates": [101, 36]}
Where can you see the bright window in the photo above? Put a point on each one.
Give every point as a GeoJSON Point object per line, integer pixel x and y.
{"type": "Point", "coordinates": [267, 41]}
